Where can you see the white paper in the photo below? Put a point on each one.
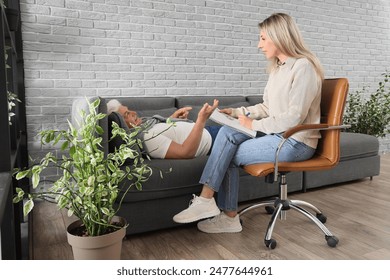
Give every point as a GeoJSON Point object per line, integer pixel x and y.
{"type": "Point", "coordinates": [225, 119]}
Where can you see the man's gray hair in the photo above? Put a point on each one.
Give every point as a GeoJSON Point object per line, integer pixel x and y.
{"type": "Point", "coordinates": [113, 106]}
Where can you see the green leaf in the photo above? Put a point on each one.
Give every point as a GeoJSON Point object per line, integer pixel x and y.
{"type": "Point", "coordinates": [22, 174]}
{"type": "Point", "coordinates": [101, 178]}
{"type": "Point", "coordinates": [105, 211]}
{"type": "Point", "coordinates": [28, 206]}
{"type": "Point", "coordinates": [70, 212]}
{"type": "Point", "coordinates": [19, 195]}
{"type": "Point", "coordinates": [72, 151]}
{"type": "Point", "coordinates": [35, 180]}
{"type": "Point", "coordinates": [89, 191]}
{"type": "Point", "coordinates": [19, 192]}
{"type": "Point", "coordinates": [64, 145]}
{"type": "Point", "coordinates": [95, 104]}
{"type": "Point", "coordinates": [112, 167]}
{"type": "Point", "coordinates": [100, 116]}
{"type": "Point", "coordinates": [91, 180]}
{"type": "Point", "coordinates": [99, 129]}
{"type": "Point", "coordinates": [57, 139]}
{"type": "Point", "coordinates": [17, 199]}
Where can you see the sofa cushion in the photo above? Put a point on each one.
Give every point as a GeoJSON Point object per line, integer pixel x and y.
{"type": "Point", "coordinates": [358, 159]}
{"type": "Point", "coordinates": [344, 171]}
{"type": "Point", "coordinates": [170, 178]}
{"type": "Point", "coordinates": [357, 145]}
{"type": "Point", "coordinates": [182, 101]}
{"type": "Point", "coordinates": [254, 99]}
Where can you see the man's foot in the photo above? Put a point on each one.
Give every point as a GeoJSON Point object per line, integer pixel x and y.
{"type": "Point", "coordinates": [200, 208]}
{"type": "Point", "coordinates": [220, 224]}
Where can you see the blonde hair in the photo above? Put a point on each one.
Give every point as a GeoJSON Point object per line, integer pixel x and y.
{"type": "Point", "coordinates": [285, 34]}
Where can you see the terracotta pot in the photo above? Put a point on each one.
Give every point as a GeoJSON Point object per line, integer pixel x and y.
{"type": "Point", "coordinates": [103, 247]}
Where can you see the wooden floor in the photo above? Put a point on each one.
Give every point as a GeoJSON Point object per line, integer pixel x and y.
{"type": "Point", "coordinates": [358, 214]}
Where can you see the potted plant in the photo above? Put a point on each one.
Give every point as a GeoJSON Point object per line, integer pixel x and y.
{"type": "Point", "coordinates": [369, 113]}
{"type": "Point", "coordinates": [92, 185]}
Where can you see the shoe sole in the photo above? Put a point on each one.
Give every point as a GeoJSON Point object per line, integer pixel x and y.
{"type": "Point", "coordinates": [197, 218]}
{"type": "Point", "coordinates": [235, 230]}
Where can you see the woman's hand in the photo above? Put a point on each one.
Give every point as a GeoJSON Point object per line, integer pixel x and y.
{"type": "Point", "coordinates": [245, 121]}
{"type": "Point", "coordinates": [227, 111]}
{"type": "Point", "coordinates": [181, 113]}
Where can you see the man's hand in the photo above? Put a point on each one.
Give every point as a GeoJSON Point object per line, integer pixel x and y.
{"type": "Point", "coordinates": [207, 110]}
{"type": "Point", "coordinates": [189, 147]}
{"type": "Point", "coordinates": [181, 113]}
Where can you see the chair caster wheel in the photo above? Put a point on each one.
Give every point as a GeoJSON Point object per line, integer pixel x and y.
{"type": "Point", "coordinates": [332, 241]}
{"type": "Point", "coordinates": [321, 217]}
{"type": "Point", "coordinates": [271, 244]}
{"type": "Point", "coordinates": [269, 209]}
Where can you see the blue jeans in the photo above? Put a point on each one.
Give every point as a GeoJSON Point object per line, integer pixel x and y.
{"type": "Point", "coordinates": [213, 130]}
{"type": "Point", "coordinates": [233, 149]}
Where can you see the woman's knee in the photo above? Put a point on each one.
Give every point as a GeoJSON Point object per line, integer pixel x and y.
{"type": "Point", "coordinates": [257, 150]}
{"type": "Point", "coordinates": [225, 130]}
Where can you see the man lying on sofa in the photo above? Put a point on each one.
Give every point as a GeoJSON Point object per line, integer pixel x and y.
{"type": "Point", "coordinates": [183, 140]}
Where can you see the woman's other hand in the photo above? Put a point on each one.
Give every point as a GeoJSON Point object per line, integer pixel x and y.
{"type": "Point", "coordinates": [227, 111]}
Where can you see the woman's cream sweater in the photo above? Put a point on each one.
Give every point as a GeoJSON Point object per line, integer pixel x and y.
{"type": "Point", "coordinates": [292, 96]}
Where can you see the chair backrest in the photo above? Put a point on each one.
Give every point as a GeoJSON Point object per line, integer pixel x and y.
{"type": "Point", "coordinates": [333, 99]}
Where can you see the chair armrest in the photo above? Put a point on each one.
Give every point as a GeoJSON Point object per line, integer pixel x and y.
{"type": "Point", "coordinates": [302, 127]}
{"type": "Point", "coordinates": [321, 126]}
{"type": "Point", "coordinates": [288, 133]}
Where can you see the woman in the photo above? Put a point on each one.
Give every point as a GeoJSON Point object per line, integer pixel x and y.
{"type": "Point", "coordinates": [291, 97]}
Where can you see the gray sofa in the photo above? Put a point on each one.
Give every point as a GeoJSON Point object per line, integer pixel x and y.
{"type": "Point", "coordinates": [154, 206]}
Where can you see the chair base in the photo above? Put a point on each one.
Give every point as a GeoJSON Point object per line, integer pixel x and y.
{"type": "Point", "coordinates": [278, 207]}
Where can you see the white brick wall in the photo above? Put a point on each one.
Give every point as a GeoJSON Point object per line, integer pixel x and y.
{"type": "Point", "coordinates": [182, 47]}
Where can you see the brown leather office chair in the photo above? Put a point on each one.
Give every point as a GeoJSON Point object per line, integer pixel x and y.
{"type": "Point", "coordinates": [333, 99]}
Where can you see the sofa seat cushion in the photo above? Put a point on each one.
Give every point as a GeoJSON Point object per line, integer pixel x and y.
{"type": "Point", "coordinates": [359, 158]}
{"type": "Point", "coordinates": [179, 176]}
{"type": "Point", "coordinates": [357, 145]}
{"type": "Point", "coordinates": [345, 171]}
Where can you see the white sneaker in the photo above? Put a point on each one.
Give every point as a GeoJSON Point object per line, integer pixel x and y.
{"type": "Point", "coordinates": [220, 224]}
{"type": "Point", "coordinates": [199, 208]}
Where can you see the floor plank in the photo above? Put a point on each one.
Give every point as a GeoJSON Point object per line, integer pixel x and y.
{"type": "Point", "coordinates": [358, 214]}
